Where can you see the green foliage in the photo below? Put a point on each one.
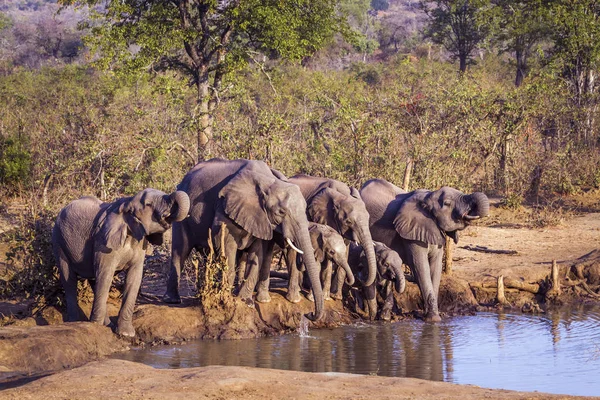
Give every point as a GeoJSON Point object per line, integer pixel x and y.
{"type": "Point", "coordinates": [31, 269]}
{"type": "Point", "coordinates": [575, 27]}
{"type": "Point", "coordinates": [5, 21]}
{"type": "Point", "coordinates": [15, 162]}
{"type": "Point", "coordinates": [458, 26]}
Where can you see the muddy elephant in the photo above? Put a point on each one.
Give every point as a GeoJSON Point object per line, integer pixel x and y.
{"type": "Point", "coordinates": [330, 252]}
{"type": "Point", "coordinates": [333, 203]}
{"type": "Point", "coordinates": [390, 276]}
{"type": "Point", "coordinates": [253, 204]}
{"type": "Point", "coordinates": [416, 224]}
{"type": "Point", "coordinates": [94, 240]}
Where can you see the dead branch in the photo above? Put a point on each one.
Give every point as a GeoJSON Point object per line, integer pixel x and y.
{"type": "Point", "coordinates": [554, 290]}
{"type": "Point", "coordinates": [448, 250]}
{"type": "Point", "coordinates": [500, 293]}
{"type": "Point", "coordinates": [513, 284]}
{"type": "Point", "coordinates": [483, 249]}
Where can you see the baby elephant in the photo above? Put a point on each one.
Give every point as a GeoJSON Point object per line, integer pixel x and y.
{"type": "Point", "coordinates": [94, 240]}
{"type": "Point", "coordinates": [329, 249]}
{"type": "Point", "coordinates": [389, 269]}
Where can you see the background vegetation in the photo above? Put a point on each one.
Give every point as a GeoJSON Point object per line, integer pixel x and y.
{"type": "Point", "coordinates": [519, 121]}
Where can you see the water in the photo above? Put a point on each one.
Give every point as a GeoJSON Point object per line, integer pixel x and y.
{"type": "Point", "coordinates": [558, 352]}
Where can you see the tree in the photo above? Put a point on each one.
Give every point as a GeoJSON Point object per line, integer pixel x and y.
{"type": "Point", "coordinates": [207, 39]}
{"type": "Point", "coordinates": [519, 26]}
{"type": "Point", "coordinates": [575, 29]}
{"type": "Point", "coordinates": [456, 25]}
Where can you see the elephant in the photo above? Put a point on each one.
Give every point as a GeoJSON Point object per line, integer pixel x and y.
{"type": "Point", "coordinates": [94, 240]}
{"type": "Point", "coordinates": [333, 203]}
{"type": "Point", "coordinates": [330, 249]}
{"type": "Point", "coordinates": [415, 224]}
{"type": "Point", "coordinates": [390, 275]}
{"type": "Point", "coordinates": [254, 205]}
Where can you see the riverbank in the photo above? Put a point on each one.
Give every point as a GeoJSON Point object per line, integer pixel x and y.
{"type": "Point", "coordinates": [127, 380]}
{"type": "Point", "coordinates": [505, 244]}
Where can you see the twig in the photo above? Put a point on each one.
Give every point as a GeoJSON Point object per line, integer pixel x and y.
{"type": "Point", "coordinates": [262, 68]}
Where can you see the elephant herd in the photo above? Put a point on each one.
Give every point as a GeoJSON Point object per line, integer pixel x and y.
{"type": "Point", "coordinates": [321, 225]}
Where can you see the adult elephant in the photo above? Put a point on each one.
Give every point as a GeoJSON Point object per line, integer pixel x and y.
{"type": "Point", "coordinates": [416, 224]}
{"type": "Point", "coordinates": [253, 204]}
{"type": "Point", "coordinates": [331, 202]}
{"type": "Point", "coordinates": [94, 240]}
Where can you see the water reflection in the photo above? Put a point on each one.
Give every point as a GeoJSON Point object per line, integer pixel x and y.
{"type": "Point", "coordinates": [558, 352]}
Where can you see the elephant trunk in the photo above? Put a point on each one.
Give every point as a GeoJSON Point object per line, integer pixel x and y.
{"type": "Point", "coordinates": [474, 206]}
{"type": "Point", "coordinates": [302, 239]}
{"type": "Point", "coordinates": [480, 204]}
{"type": "Point", "coordinates": [349, 275]}
{"type": "Point", "coordinates": [182, 200]}
{"type": "Point", "coordinates": [366, 242]}
{"type": "Point", "coordinates": [400, 281]}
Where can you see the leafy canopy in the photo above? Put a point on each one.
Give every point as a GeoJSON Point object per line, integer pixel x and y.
{"type": "Point", "coordinates": [201, 36]}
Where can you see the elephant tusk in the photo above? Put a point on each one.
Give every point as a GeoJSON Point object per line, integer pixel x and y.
{"type": "Point", "coordinates": [471, 217]}
{"type": "Point", "coordinates": [293, 247]}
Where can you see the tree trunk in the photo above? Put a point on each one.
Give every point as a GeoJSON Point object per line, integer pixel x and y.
{"type": "Point", "coordinates": [521, 67]}
{"type": "Point", "coordinates": [407, 174]}
{"type": "Point", "coordinates": [463, 63]}
{"type": "Point", "coordinates": [206, 121]}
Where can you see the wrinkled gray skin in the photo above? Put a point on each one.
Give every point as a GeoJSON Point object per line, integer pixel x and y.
{"type": "Point", "coordinates": [94, 240]}
{"type": "Point", "coordinates": [416, 224]}
{"type": "Point", "coordinates": [330, 250]}
{"type": "Point", "coordinates": [390, 275]}
{"type": "Point", "coordinates": [333, 203]}
{"type": "Point", "coordinates": [253, 204]}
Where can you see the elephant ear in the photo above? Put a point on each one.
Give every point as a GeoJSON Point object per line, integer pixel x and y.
{"type": "Point", "coordinates": [113, 230]}
{"type": "Point", "coordinates": [318, 243]}
{"type": "Point", "coordinates": [414, 221]}
{"type": "Point", "coordinates": [243, 200]}
{"type": "Point", "coordinates": [321, 208]}
{"type": "Point", "coordinates": [355, 193]}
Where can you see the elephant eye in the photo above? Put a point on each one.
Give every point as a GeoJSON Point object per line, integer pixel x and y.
{"type": "Point", "coordinates": [447, 202]}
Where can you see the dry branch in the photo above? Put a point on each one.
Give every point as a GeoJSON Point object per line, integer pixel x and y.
{"type": "Point", "coordinates": [483, 249]}
{"type": "Point", "coordinates": [448, 250]}
{"type": "Point", "coordinates": [500, 293]}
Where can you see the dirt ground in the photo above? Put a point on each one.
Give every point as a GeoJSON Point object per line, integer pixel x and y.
{"type": "Point", "coordinates": [511, 243]}
{"type": "Point", "coordinates": [127, 380]}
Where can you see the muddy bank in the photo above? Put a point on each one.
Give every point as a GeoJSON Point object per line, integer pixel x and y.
{"type": "Point", "coordinates": [27, 350]}
{"type": "Point", "coordinates": [68, 345]}
{"type": "Point", "coordinates": [129, 380]}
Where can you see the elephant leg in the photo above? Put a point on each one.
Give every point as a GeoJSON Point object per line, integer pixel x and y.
{"type": "Point", "coordinates": [340, 278]}
{"type": "Point", "coordinates": [326, 279]}
{"type": "Point", "coordinates": [132, 288]}
{"type": "Point", "coordinates": [370, 295]}
{"type": "Point", "coordinates": [262, 291]}
{"type": "Point", "coordinates": [388, 302]}
{"type": "Point", "coordinates": [436, 264]}
{"type": "Point", "coordinates": [180, 251]}
{"type": "Point", "coordinates": [252, 266]}
{"type": "Point", "coordinates": [241, 269]}
{"type": "Point", "coordinates": [294, 280]}
{"type": "Point", "coordinates": [105, 270]}
{"type": "Point", "coordinates": [92, 283]}
{"type": "Point", "coordinates": [68, 279]}
{"type": "Point", "coordinates": [419, 261]}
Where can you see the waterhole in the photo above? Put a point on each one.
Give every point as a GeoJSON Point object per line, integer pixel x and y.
{"type": "Point", "coordinates": [557, 352]}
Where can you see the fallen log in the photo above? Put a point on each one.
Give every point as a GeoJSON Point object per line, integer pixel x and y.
{"type": "Point", "coordinates": [511, 283]}
{"type": "Point", "coordinates": [483, 249]}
